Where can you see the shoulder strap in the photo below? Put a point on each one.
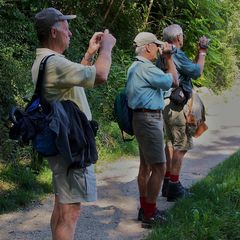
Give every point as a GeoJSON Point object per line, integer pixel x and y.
{"type": "Point", "coordinates": [39, 84]}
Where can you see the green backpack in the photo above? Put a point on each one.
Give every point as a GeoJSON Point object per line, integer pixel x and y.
{"type": "Point", "coordinates": [123, 115]}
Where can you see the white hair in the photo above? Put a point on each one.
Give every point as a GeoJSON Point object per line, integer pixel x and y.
{"type": "Point", "coordinates": [140, 50]}
{"type": "Point", "coordinates": [171, 32]}
{"type": "Point", "coordinates": [57, 25]}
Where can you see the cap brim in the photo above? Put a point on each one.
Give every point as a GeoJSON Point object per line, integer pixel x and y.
{"type": "Point", "coordinates": [67, 17]}
{"type": "Point", "coordinates": [159, 42]}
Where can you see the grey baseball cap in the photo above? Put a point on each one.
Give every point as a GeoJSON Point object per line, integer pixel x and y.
{"type": "Point", "coordinates": [48, 16]}
{"type": "Point", "coordinates": [144, 38]}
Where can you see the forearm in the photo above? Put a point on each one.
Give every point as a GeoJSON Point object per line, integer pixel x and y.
{"type": "Point", "coordinates": [201, 59]}
{"type": "Point", "coordinates": [103, 43]}
{"type": "Point", "coordinates": [87, 59]}
{"type": "Point", "coordinates": [103, 64]}
{"type": "Point", "coordinates": [203, 44]}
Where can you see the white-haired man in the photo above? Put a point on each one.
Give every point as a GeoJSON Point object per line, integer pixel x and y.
{"type": "Point", "coordinates": [145, 86]}
{"type": "Point", "coordinates": [178, 135]}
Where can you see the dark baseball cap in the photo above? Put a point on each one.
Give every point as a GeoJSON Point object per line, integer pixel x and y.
{"type": "Point", "coordinates": [48, 16]}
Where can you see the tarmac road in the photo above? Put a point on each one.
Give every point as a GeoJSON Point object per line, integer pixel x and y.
{"type": "Point", "coordinates": [113, 216]}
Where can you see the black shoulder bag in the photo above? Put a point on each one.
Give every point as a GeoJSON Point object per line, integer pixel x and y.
{"type": "Point", "coordinates": [178, 96]}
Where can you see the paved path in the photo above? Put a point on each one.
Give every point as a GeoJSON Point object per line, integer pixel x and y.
{"type": "Point", "coordinates": [113, 216]}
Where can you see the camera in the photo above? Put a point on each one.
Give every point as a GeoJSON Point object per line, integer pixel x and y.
{"type": "Point", "coordinates": [204, 42]}
{"type": "Point", "coordinates": [172, 51]}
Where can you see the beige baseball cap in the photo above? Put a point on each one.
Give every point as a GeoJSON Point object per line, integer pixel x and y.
{"type": "Point", "coordinates": [144, 38]}
{"type": "Point", "coordinates": [47, 17]}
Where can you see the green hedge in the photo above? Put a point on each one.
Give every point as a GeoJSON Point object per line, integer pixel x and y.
{"type": "Point", "coordinates": [216, 19]}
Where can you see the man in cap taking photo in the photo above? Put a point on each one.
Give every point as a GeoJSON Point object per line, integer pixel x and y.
{"type": "Point", "coordinates": [66, 80]}
{"type": "Point", "coordinates": [145, 86]}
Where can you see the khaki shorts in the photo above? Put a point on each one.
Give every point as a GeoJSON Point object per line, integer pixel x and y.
{"type": "Point", "coordinates": [177, 133]}
{"type": "Point", "coordinates": [76, 186]}
{"type": "Point", "coordinates": [148, 129]}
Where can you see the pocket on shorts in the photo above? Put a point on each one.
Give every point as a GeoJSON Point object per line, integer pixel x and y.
{"type": "Point", "coordinates": [83, 184]}
{"type": "Point", "coordinates": [77, 182]}
{"type": "Point", "coordinates": [91, 184]}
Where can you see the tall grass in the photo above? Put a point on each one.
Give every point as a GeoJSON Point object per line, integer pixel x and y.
{"type": "Point", "coordinates": [20, 185]}
{"type": "Point", "coordinates": [212, 213]}
{"type": "Point", "coordinates": [111, 145]}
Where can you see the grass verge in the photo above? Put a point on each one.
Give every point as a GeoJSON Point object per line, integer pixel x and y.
{"type": "Point", "coordinates": [212, 213]}
{"type": "Point", "coordinates": [20, 185]}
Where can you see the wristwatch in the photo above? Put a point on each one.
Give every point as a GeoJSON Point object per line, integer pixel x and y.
{"type": "Point", "coordinates": [202, 53]}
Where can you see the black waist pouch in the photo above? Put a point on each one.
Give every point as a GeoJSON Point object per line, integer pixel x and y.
{"type": "Point", "coordinates": [179, 96]}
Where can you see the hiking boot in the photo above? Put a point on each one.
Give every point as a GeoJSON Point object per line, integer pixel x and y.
{"type": "Point", "coordinates": [176, 191]}
{"type": "Point", "coordinates": [140, 214]}
{"type": "Point", "coordinates": [158, 218]}
{"type": "Point", "coordinates": [165, 187]}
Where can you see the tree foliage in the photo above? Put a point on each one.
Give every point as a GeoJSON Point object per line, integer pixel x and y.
{"type": "Point", "coordinates": [219, 20]}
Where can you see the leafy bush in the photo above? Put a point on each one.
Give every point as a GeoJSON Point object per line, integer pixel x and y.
{"type": "Point", "coordinates": [102, 98]}
{"type": "Point", "coordinates": [216, 19]}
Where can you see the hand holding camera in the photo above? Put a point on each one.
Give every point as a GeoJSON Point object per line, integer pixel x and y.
{"type": "Point", "coordinates": [107, 40]}
{"type": "Point", "coordinates": [98, 41]}
{"type": "Point", "coordinates": [94, 43]}
{"type": "Point", "coordinates": [203, 42]}
{"type": "Point", "coordinates": [167, 49]}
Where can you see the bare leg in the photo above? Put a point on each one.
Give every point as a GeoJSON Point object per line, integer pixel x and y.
{"type": "Point", "coordinates": [169, 156]}
{"type": "Point", "coordinates": [143, 176]}
{"type": "Point", "coordinates": [177, 161]}
{"type": "Point", "coordinates": [55, 215]}
{"type": "Point", "coordinates": [64, 220]}
{"type": "Point", "coordinates": [155, 181]}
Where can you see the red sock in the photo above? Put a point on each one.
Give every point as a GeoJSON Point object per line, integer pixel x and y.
{"type": "Point", "coordinates": [168, 174]}
{"type": "Point", "coordinates": [149, 210]}
{"type": "Point", "coordinates": [142, 202]}
{"type": "Point", "coordinates": [174, 178]}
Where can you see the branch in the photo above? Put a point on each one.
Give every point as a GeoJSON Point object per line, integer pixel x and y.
{"type": "Point", "coordinates": [108, 10]}
{"type": "Point", "coordinates": [148, 13]}
{"type": "Point", "coordinates": [117, 12]}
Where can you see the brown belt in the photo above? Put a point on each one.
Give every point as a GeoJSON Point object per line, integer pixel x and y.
{"type": "Point", "coordinates": [147, 110]}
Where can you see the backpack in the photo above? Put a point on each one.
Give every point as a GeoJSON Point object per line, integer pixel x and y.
{"type": "Point", "coordinates": [32, 124]}
{"type": "Point", "coordinates": [123, 115]}
{"type": "Point", "coordinates": [59, 127]}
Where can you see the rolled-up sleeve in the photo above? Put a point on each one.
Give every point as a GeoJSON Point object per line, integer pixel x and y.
{"type": "Point", "coordinates": [69, 74]}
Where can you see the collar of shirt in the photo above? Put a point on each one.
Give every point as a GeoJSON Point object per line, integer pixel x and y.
{"type": "Point", "coordinates": [46, 51]}
{"type": "Point", "coordinates": [142, 59]}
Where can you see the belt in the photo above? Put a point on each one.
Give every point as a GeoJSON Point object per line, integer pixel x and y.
{"type": "Point", "coordinates": [147, 110]}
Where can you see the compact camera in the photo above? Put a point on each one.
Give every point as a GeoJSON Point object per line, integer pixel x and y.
{"type": "Point", "coordinates": [204, 42]}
